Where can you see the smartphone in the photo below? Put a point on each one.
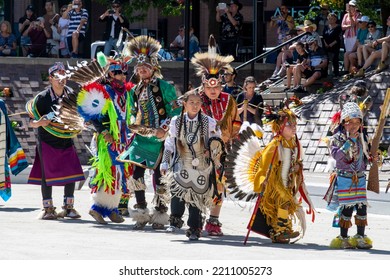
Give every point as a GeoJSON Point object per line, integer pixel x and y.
{"type": "Point", "coordinates": [222, 6]}
{"type": "Point", "coordinates": [75, 6]}
{"type": "Point", "coordinates": [111, 12]}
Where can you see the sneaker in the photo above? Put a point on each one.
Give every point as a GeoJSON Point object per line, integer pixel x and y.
{"type": "Point", "coordinates": [362, 242]}
{"type": "Point", "coordinates": [360, 73]}
{"type": "Point", "coordinates": [69, 213]}
{"type": "Point", "coordinates": [97, 217]}
{"type": "Point", "coordinates": [171, 229]}
{"type": "Point", "coordinates": [287, 89]}
{"type": "Point", "coordinates": [275, 78]}
{"type": "Point", "coordinates": [74, 55]}
{"type": "Point", "coordinates": [116, 217]}
{"type": "Point", "coordinates": [381, 67]}
{"type": "Point", "coordinates": [213, 227]}
{"type": "Point", "coordinates": [49, 214]}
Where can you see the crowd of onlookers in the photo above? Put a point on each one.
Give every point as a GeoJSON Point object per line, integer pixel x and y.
{"type": "Point", "coordinates": [49, 35]}
{"type": "Point", "coordinates": [312, 55]}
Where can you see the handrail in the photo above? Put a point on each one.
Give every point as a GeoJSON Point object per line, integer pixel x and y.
{"type": "Point", "coordinates": [272, 50]}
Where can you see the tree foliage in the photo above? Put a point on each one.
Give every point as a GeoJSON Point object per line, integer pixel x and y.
{"type": "Point", "coordinates": [136, 10]}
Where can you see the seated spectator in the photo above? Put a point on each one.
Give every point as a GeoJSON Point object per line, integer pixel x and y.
{"type": "Point", "coordinates": [24, 23]}
{"type": "Point", "coordinates": [250, 103]}
{"type": "Point", "coordinates": [350, 57]}
{"type": "Point", "coordinates": [38, 34]}
{"type": "Point", "coordinates": [382, 53]}
{"type": "Point", "coordinates": [78, 18]}
{"type": "Point", "coordinates": [194, 43]}
{"type": "Point", "coordinates": [7, 40]}
{"type": "Point", "coordinates": [367, 48]}
{"type": "Point", "coordinates": [332, 41]}
{"type": "Point", "coordinates": [284, 58]}
{"type": "Point", "coordinates": [178, 42]}
{"type": "Point", "coordinates": [301, 60]}
{"type": "Point", "coordinates": [230, 85]}
{"type": "Point", "coordinates": [315, 67]}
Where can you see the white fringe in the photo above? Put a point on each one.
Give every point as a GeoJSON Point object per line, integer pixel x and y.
{"type": "Point", "coordinates": [140, 215]}
{"type": "Point", "coordinates": [159, 218]}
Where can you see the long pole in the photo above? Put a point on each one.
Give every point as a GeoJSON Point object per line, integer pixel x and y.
{"type": "Point", "coordinates": [186, 45]}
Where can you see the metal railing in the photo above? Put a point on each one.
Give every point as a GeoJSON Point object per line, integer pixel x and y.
{"type": "Point", "coordinates": [265, 54]}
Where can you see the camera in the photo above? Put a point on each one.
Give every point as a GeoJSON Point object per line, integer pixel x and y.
{"type": "Point", "coordinates": [222, 6]}
{"type": "Point", "coordinates": [111, 12]}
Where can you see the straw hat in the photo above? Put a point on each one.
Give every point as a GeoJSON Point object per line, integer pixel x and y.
{"type": "Point", "coordinates": [308, 23]}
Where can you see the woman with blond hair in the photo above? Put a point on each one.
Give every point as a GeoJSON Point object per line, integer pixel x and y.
{"type": "Point", "coordinates": [7, 40]}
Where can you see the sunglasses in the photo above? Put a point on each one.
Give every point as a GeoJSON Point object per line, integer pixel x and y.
{"type": "Point", "coordinates": [180, 30]}
{"type": "Point", "coordinates": [115, 6]}
{"type": "Point", "coordinates": [371, 26]}
{"type": "Point", "coordinates": [118, 72]}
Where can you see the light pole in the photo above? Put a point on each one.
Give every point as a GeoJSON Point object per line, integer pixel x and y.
{"type": "Point", "coordinates": [186, 45]}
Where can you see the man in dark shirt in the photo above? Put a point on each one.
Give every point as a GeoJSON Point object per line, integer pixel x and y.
{"type": "Point", "coordinates": [115, 20]}
{"type": "Point", "coordinates": [56, 161]}
{"type": "Point", "coordinates": [230, 85]}
{"type": "Point", "coordinates": [231, 20]}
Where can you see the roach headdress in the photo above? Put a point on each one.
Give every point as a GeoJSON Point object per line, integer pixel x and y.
{"type": "Point", "coordinates": [209, 65]}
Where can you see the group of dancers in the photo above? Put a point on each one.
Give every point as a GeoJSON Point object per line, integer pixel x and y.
{"type": "Point", "coordinates": [196, 145]}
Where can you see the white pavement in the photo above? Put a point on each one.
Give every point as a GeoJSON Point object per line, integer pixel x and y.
{"type": "Point", "coordinates": [23, 237]}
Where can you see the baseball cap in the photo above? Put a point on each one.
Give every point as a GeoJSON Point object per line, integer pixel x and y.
{"type": "Point", "coordinates": [352, 3]}
{"type": "Point", "coordinates": [30, 7]}
{"type": "Point", "coordinates": [58, 66]}
{"type": "Point", "coordinates": [364, 18]}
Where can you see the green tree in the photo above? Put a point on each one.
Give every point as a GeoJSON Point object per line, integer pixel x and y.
{"type": "Point", "coordinates": [136, 10]}
{"type": "Point", "coordinates": [377, 10]}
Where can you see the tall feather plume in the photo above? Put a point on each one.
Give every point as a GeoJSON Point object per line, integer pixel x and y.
{"type": "Point", "coordinates": [210, 62]}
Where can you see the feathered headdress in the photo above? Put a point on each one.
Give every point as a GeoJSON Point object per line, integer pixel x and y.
{"type": "Point", "coordinates": [144, 50]}
{"type": "Point", "coordinates": [277, 117]}
{"type": "Point", "coordinates": [210, 64]}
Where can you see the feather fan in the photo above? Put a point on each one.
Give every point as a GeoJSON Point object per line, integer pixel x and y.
{"type": "Point", "coordinates": [241, 164]}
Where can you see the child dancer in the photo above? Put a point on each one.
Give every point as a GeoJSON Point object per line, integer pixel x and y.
{"type": "Point", "coordinates": [348, 188]}
{"type": "Point", "coordinates": [190, 169]}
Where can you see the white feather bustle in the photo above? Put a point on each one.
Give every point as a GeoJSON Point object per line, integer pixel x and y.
{"type": "Point", "coordinates": [242, 170]}
{"type": "Point", "coordinates": [159, 218]}
{"type": "Point", "coordinates": [140, 215]}
{"type": "Point", "coordinates": [93, 102]}
{"type": "Point", "coordinates": [106, 200]}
